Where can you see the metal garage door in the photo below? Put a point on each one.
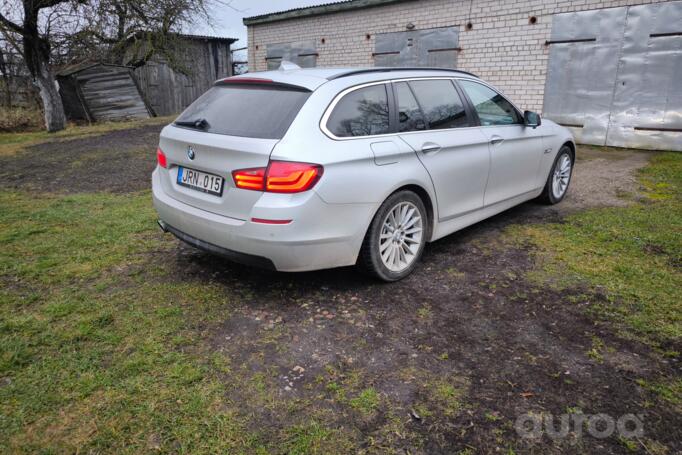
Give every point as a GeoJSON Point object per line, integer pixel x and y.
{"type": "Point", "coordinates": [615, 75]}
{"type": "Point", "coordinates": [435, 47]}
{"type": "Point", "coordinates": [302, 53]}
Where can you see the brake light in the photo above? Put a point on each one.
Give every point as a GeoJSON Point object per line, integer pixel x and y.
{"type": "Point", "coordinates": [245, 80]}
{"type": "Point", "coordinates": [289, 177]}
{"type": "Point", "coordinates": [249, 179]}
{"type": "Point", "coordinates": [279, 177]}
{"type": "Point", "coordinates": [161, 158]}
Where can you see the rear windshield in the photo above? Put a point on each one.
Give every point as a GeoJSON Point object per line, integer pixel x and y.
{"type": "Point", "coordinates": [263, 112]}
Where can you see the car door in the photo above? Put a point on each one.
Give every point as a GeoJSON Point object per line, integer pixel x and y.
{"type": "Point", "coordinates": [515, 150]}
{"type": "Point", "coordinates": [362, 124]}
{"type": "Point", "coordinates": [433, 120]}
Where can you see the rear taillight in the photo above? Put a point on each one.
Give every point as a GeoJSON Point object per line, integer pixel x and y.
{"type": "Point", "coordinates": [249, 179]}
{"type": "Point", "coordinates": [161, 158]}
{"type": "Point", "coordinates": [279, 177]}
{"type": "Point", "coordinates": [289, 177]}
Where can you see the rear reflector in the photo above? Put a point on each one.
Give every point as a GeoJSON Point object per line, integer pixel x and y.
{"type": "Point", "coordinates": [279, 177]}
{"type": "Point", "coordinates": [161, 158]}
{"type": "Point", "coordinates": [265, 221]}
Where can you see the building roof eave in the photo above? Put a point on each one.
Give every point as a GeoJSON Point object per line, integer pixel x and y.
{"type": "Point", "coordinates": [317, 10]}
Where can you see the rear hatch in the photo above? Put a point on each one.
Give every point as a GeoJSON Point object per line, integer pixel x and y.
{"type": "Point", "coordinates": [234, 125]}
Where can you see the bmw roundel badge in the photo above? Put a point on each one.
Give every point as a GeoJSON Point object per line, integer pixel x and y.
{"type": "Point", "coordinates": [190, 153]}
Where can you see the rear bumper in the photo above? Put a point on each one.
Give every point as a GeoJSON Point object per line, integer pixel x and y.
{"type": "Point", "coordinates": [320, 236]}
{"type": "Point", "coordinates": [235, 256]}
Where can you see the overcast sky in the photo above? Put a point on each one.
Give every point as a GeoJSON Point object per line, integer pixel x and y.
{"type": "Point", "coordinates": [228, 21]}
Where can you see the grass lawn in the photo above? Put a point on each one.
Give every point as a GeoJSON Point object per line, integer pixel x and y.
{"type": "Point", "coordinates": [103, 348]}
{"type": "Point", "coordinates": [632, 254]}
{"type": "Point", "coordinates": [98, 348]}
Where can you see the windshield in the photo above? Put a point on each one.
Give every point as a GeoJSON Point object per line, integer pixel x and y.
{"type": "Point", "coordinates": [258, 111]}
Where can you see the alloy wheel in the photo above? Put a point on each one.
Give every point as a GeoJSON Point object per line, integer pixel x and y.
{"type": "Point", "coordinates": [401, 236]}
{"type": "Point", "coordinates": [562, 175]}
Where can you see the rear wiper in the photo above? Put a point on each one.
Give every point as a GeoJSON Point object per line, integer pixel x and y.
{"type": "Point", "coordinates": [200, 124]}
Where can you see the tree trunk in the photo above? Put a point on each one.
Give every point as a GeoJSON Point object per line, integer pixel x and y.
{"type": "Point", "coordinates": [55, 119]}
{"type": "Point", "coordinates": [6, 78]}
{"type": "Point", "coordinates": [37, 58]}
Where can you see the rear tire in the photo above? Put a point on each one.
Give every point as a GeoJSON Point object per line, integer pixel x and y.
{"type": "Point", "coordinates": [559, 177]}
{"type": "Point", "coordinates": [396, 237]}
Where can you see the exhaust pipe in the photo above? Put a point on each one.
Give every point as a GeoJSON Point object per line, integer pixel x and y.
{"type": "Point", "coordinates": [162, 225]}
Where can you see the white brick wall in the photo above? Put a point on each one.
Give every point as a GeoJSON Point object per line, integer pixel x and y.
{"type": "Point", "coordinates": [502, 48]}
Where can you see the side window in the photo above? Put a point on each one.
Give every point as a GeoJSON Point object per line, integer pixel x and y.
{"type": "Point", "coordinates": [441, 104]}
{"type": "Point", "coordinates": [492, 108]}
{"type": "Point", "coordinates": [410, 117]}
{"type": "Point", "coordinates": [362, 112]}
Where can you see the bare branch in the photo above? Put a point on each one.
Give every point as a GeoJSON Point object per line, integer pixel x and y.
{"type": "Point", "coordinates": [4, 22]}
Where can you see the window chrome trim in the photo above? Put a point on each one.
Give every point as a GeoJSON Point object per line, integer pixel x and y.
{"type": "Point", "coordinates": [335, 101]}
{"type": "Point", "coordinates": [344, 92]}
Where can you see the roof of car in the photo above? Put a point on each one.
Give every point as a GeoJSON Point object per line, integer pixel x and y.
{"type": "Point", "coordinates": [311, 78]}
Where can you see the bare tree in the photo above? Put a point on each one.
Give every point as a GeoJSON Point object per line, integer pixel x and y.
{"type": "Point", "coordinates": [35, 47]}
{"type": "Point", "coordinates": [126, 32]}
{"type": "Point", "coordinates": [132, 31]}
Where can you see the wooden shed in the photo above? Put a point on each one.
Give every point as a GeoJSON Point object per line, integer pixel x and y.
{"type": "Point", "coordinates": [101, 92]}
{"type": "Point", "coordinates": [205, 59]}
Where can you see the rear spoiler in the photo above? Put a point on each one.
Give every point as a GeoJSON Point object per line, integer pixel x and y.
{"type": "Point", "coordinates": [258, 81]}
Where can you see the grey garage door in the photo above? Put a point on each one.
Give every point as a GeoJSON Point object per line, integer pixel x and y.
{"type": "Point", "coordinates": [435, 47]}
{"type": "Point", "coordinates": [302, 53]}
{"type": "Point", "coordinates": [615, 75]}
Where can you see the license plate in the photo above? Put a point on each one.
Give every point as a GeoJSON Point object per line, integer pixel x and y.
{"type": "Point", "coordinates": [200, 181]}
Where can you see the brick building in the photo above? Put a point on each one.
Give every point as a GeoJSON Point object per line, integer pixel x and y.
{"type": "Point", "coordinates": [574, 50]}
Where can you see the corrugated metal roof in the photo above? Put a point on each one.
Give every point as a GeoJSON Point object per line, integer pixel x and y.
{"type": "Point", "coordinates": [208, 37]}
{"type": "Point", "coordinates": [316, 10]}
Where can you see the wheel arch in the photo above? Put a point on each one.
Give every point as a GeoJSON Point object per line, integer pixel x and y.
{"type": "Point", "coordinates": [426, 199]}
{"type": "Point", "coordinates": [571, 146]}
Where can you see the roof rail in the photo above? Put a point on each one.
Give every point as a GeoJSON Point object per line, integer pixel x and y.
{"type": "Point", "coordinates": [387, 70]}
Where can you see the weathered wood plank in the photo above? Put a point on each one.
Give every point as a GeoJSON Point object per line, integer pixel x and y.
{"type": "Point", "coordinates": [169, 92]}
{"type": "Point", "coordinates": [107, 93]}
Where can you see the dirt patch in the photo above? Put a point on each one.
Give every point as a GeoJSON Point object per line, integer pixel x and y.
{"type": "Point", "coordinates": [604, 177]}
{"type": "Point", "coordinates": [119, 161]}
{"type": "Point", "coordinates": [465, 343]}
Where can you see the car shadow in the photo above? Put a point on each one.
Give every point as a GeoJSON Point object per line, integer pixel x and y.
{"type": "Point", "coordinates": [196, 264]}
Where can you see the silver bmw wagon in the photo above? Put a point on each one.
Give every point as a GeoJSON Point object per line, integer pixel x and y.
{"type": "Point", "coordinates": [305, 169]}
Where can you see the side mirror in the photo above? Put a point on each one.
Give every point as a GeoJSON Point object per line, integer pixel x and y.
{"type": "Point", "coordinates": [532, 119]}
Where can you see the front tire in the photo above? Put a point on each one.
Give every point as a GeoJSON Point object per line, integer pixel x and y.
{"type": "Point", "coordinates": [559, 177]}
{"type": "Point", "coordinates": [396, 237]}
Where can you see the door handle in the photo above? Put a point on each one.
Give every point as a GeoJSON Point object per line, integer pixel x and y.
{"type": "Point", "coordinates": [496, 140]}
{"type": "Point", "coordinates": [430, 147]}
